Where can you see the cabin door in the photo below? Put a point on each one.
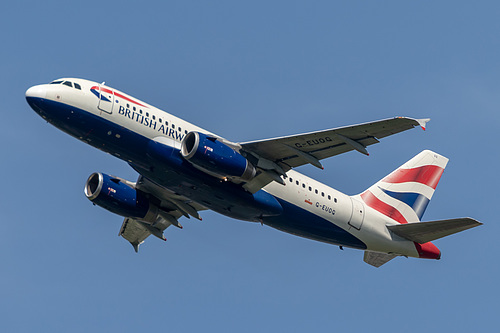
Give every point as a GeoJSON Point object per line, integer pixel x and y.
{"type": "Point", "coordinates": [357, 214]}
{"type": "Point", "coordinates": [106, 98]}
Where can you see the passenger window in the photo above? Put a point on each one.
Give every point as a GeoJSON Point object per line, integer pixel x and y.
{"type": "Point", "coordinates": [173, 126]}
{"type": "Point", "coordinates": [154, 117]}
{"type": "Point", "coordinates": [291, 180]}
{"type": "Point", "coordinates": [67, 83]}
{"type": "Point", "coordinates": [297, 182]}
{"type": "Point", "coordinates": [335, 200]}
{"type": "Point", "coordinates": [179, 129]}
{"type": "Point", "coordinates": [159, 120]}
{"type": "Point", "coordinates": [303, 185]}
{"type": "Point", "coordinates": [322, 194]}
{"type": "Point", "coordinates": [310, 188]}
{"type": "Point", "coordinates": [329, 197]}
{"type": "Point", "coordinates": [147, 114]}
{"type": "Point", "coordinates": [77, 86]}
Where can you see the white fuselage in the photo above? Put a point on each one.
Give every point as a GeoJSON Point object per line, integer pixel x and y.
{"type": "Point", "coordinates": [315, 199]}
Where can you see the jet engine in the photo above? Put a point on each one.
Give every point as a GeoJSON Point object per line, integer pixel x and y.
{"type": "Point", "coordinates": [118, 197]}
{"type": "Point", "coordinates": [212, 156]}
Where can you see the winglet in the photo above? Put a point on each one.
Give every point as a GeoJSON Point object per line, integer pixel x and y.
{"type": "Point", "coordinates": [423, 122]}
{"type": "Point", "coordinates": [136, 246]}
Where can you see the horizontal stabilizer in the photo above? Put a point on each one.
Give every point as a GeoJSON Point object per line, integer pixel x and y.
{"type": "Point", "coordinates": [377, 259]}
{"type": "Point", "coordinates": [424, 232]}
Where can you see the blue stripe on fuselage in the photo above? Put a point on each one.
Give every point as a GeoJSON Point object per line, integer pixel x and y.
{"type": "Point", "coordinates": [300, 222]}
{"type": "Point", "coordinates": [160, 163]}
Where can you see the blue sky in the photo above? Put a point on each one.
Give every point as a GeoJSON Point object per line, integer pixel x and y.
{"type": "Point", "coordinates": [247, 71]}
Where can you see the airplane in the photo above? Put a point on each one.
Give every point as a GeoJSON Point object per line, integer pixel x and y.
{"type": "Point", "coordinates": [184, 169]}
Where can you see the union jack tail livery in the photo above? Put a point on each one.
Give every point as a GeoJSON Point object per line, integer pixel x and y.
{"type": "Point", "coordinates": [405, 193]}
{"type": "Point", "coordinates": [402, 197]}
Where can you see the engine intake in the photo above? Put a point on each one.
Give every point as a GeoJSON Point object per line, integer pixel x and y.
{"type": "Point", "coordinates": [120, 198]}
{"type": "Point", "coordinates": [210, 155]}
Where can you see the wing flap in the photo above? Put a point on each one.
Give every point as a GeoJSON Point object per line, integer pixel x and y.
{"type": "Point", "coordinates": [423, 232]}
{"type": "Point", "coordinates": [327, 143]}
{"type": "Point", "coordinates": [175, 204]}
{"type": "Point", "coordinates": [261, 180]}
{"type": "Point", "coordinates": [171, 207]}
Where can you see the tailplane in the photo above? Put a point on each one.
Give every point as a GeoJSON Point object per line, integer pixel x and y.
{"type": "Point", "coordinates": [428, 231]}
{"type": "Point", "coordinates": [404, 194]}
{"type": "Point", "coordinates": [377, 259]}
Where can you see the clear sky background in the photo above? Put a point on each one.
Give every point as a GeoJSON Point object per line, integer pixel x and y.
{"type": "Point", "coordinates": [250, 70]}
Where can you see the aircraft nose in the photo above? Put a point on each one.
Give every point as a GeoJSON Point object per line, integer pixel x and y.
{"type": "Point", "coordinates": [36, 92]}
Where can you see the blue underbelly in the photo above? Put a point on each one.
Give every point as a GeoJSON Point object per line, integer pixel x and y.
{"type": "Point", "coordinates": [162, 164]}
{"type": "Point", "coordinates": [300, 222]}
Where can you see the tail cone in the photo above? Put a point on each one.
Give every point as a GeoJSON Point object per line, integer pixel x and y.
{"type": "Point", "coordinates": [428, 251]}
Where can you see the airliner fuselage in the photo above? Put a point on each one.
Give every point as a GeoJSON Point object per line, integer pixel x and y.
{"type": "Point", "coordinates": [185, 169]}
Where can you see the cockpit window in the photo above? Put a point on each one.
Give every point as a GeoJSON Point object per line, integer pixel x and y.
{"type": "Point", "coordinates": [67, 83]}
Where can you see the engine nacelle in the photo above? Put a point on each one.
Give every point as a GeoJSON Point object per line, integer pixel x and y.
{"type": "Point", "coordinates": [211, 155]}
{"type": "Point", "coordinates": [120, 198]}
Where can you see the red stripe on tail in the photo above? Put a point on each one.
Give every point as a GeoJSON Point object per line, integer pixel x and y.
{"type": "Point", "coordinates": [380, 206]}
{"type": "Point", "coordinates": [428, 175]}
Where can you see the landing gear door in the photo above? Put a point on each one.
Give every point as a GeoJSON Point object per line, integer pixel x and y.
{"type": "Point", "coordinates": [358, 214]}
{"type": "Point", "coordinates": [106, 98]}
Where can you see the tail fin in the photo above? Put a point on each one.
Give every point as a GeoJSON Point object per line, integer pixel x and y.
{"type": "Point", "coordinates": [405, 193]}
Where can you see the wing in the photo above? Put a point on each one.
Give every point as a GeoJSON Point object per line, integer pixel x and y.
{"type": "Point", "coordinates": [171, 208]}
{"type": "Point", "coordinates": [275, 156]}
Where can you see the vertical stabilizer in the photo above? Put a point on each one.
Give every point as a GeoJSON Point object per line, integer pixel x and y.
{"type": "Point", "coordinates": [405, 193]}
